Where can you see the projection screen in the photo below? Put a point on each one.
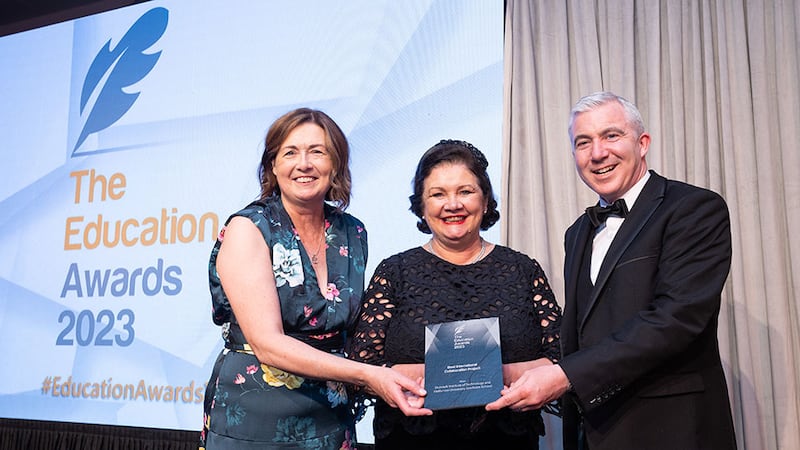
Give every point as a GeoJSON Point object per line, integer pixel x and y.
{"type": "Point", "coordinates": [130, 136]}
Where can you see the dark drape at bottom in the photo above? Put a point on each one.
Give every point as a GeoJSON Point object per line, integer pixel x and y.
{"type": "Point", "coordinates": [18, 434]}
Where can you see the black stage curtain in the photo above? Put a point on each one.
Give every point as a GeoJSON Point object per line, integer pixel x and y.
{"type": "Point", "coordinates": [18, 434]}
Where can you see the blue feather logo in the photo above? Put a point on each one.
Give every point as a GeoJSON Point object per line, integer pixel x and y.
{"type": "Point", "coordinates": [114, 69]}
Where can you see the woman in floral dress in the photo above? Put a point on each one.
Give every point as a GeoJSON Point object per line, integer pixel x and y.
{"type": "Point", "coordinates": [286, 277]}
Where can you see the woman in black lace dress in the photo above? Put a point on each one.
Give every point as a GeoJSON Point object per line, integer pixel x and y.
{"type": "Point", "coordinates": [457, 275]}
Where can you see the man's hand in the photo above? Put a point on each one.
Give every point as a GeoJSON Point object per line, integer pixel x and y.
{"type": "Point", "coordinates": [535, 388]}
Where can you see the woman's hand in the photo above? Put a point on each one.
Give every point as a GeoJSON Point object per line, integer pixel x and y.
{"type": "Point", "coordinates": [397, 390]}
{"type": "Point", "coordinates": [413, 371]}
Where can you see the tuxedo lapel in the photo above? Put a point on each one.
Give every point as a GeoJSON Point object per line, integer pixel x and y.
{"type": "Point", "coordinates": [646, 204]}
{"type": "Point", "coordinates": [575, 248]}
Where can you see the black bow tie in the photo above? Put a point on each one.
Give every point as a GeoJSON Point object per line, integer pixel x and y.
{"type": "Point", "coordinates": [598, 214]}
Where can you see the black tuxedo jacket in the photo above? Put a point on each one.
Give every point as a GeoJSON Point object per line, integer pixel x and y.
{"type": "Point", "coordinates": [643, 358]}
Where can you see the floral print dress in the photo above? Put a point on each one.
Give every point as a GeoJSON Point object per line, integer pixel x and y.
{"type": "Point", "coordinates": [252, 405]}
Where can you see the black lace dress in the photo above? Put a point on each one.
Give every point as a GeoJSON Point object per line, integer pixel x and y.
{"type": "Point", "coordinates": [415, 288]}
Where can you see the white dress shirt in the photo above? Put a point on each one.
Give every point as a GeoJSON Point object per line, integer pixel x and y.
{"type": "Point", "coordinates": [605, 233]}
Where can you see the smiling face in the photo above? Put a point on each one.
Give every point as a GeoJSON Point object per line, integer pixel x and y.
{"type": "Point", "coordinates": [609, 153]}
{"type": "Point", "coordinates": [453, 204]}
{"type": "Point", "coordinates": [303, 166]}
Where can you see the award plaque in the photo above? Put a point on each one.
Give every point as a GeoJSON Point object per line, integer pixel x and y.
{"type": "Point", "coordinates": [463, 364]}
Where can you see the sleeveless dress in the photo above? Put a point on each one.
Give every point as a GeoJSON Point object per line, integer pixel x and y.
{"type": "Point", "coordinates": [249, 405]}
{"type": "Point", "coordinates": [415, 288]}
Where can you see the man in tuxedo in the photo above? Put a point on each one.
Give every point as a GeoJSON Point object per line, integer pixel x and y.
{"type": "Point", "coordinates": [644, 272]}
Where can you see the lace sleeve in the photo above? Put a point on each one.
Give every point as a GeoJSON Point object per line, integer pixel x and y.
{"type": "Point", "coordinates": [376, 310]}
{"type": "Point", "coordinates": [367, 342]}
{"type": "Point", "coordinates": [548, 315]}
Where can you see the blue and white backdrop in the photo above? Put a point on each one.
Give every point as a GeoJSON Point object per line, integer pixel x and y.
{"type": "Point", "coordinates": [128, 137]}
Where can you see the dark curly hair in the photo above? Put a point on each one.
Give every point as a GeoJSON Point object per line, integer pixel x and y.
{"type": "Point", "coordinates": [453, 151]}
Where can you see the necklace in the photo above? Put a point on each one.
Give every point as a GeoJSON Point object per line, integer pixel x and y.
{"type": "Point", "coordinates": [480, 255]}
{"type": "Point", "coordinates": [314, 259]}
